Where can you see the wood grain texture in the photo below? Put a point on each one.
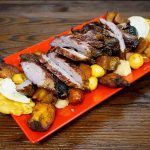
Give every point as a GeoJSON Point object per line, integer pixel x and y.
{"type": "Point", "coordinates": [120, 123]}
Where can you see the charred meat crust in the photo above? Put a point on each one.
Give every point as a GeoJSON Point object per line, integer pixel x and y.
{"type": "Point", "coordinates": [113, 80]}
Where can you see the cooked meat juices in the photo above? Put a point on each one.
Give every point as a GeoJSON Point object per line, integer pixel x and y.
{"type": "Point", "coordinates": [35, 72]}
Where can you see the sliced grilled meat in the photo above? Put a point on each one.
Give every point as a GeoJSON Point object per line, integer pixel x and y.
{"type": "Point", "coordinates": [113, 80]}
{"type": "Point", "coordinates": [68, 41]}
{"type": "Point", "coordinates": [67, 72]}
{"type": "Point", "coordinates": [70, 53]}
{"type": "Point", "coordinates": [35, 72]}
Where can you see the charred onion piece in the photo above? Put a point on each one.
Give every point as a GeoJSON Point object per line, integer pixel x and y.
{"type": "Point", "coordinates": [42, 117]}
{"type": "Point", "coordinates": [75, 96]}
{"type": "Point", "coordinates": [113, 80]}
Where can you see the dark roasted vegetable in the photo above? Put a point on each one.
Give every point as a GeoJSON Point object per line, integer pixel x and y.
{"type": "Point", "coordinates": [113, 80]}
{"type": "Point", "coordinates": [110, 16]}
{"type": "Point", "coordinates": [42, 117]}
{"type": "Point", "coordinates": [61, 88]}
{"type": "Point", "coordinates": [143, 44]}
{"type": "Point", "coordinates": [75, 96]}
{"type": "Point", "coordinates": [132, 30]}
{"type": "Point", "coordinates": [108, 62]}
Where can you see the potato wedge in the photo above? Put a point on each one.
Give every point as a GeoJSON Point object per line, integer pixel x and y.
{"type": "Point", "coordinates": [75, 96]}
{"type": "Point", "coordinates": [42, 117]}
{"type": "Point", "coordinates": [110, 16]}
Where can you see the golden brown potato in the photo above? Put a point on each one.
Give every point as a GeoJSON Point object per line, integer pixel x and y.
{"type": "Point", "coordinates": [42, 117]}
{"type": "Point", "coordinates": [43, 95]}
{"type": "Point", "coordinates": [86, 69]}
{"type": "Point", "coordinates": [7, 71]}
{"type": "Point", "coordinates": [110, 16]}
{"type": "Point", "coordinates": [75, 96]}
{"type": "Point", "coordinates": [147, 51]}
{"type": "Point", "coordinates": [142, 46]}
{"type": "Point", "coordinates": [120, 19]}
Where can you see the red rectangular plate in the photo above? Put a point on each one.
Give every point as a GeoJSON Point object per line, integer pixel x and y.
{"type": "Point", "coordinates": [64, 116]}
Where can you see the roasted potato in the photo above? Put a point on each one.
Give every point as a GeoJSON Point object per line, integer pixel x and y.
{"type": "Point", "coordinates": [86, 69]}
{"type": "Point", "coordinates": [75, 96]}
{"type": "Point", "coordinates": [42, 117]}
{"type": "Point", "coordinates": [110, 16]}
{"type": "Point", "coordinates": [43, 95]}
{"type": "Point", "coordinates": [143, 44]}
{"type": "Point", "coordinates": [147, 51]}
{"type": "Point", "coordinates": [7, 71]}
{"type": "Point", "coordinates": [120, 19]}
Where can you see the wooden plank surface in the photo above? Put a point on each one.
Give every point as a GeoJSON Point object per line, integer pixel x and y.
{"type": "Point", "coordinates": [120, 123]}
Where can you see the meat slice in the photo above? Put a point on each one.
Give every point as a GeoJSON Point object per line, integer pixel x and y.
{"type": "Point", "coordinates": [70, 53]}
{"type": "Point", "coordinates": [81, 47]}
{"type": "Point", "coordinates": [36, 73]}
{"type": "Point", "coordinates": [67, 72]}
{"type": "Point", "coordinates": [113, 80]}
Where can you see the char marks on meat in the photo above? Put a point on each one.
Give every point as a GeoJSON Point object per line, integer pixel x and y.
{"type": "Point", "coordinates": [66, 71]}
{"type": "Point", "coordinates": [36, 73]}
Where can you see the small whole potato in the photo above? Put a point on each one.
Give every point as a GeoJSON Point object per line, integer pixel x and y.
{"type": "Point", "coordinates": [75, 96]}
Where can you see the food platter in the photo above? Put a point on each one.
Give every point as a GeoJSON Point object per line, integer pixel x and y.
{"type": "Point", "coordinates": [64, 116]}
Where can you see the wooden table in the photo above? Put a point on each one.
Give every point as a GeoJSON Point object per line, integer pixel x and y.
{"type": "Point", "coordinates": [122, 122]}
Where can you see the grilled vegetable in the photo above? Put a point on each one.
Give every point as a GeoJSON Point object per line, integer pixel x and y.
{"type": "Point", "coordinates": [113, 80]}
{"type": "Point", "coordinates": [120, 19]}
{"type": "Point", "coordinates": [61, 88]}
{"type": "Point", "coordinates": [42, 95]}
{"type": "Point", "coordinates": [143, 44]}
{"type": "Point", "coordinates": [75, 96]}
{"type": "Point", "coordinates": [108, 62]}
{"type": "Point", "coordinates": [147, 51]}
{"type": "Point", "coordinates": [42, 117]}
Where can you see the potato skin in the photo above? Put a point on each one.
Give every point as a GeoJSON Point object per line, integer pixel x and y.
{"type": "Point", "coordinates": [75, 96]}
{"type": "Point", "coordinates": [42, 117]}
